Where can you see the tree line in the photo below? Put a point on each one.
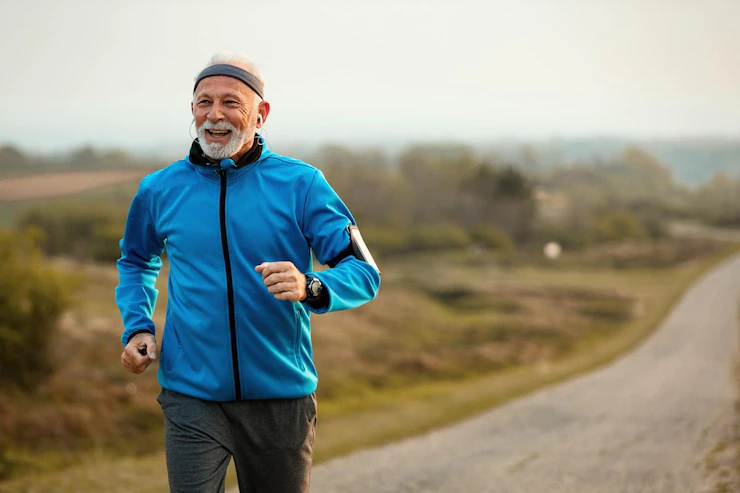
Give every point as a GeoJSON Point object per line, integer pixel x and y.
{"type": "Point", "coordinates": [447, 196]}
{"type": "Point", "coordinates": [14, 161]}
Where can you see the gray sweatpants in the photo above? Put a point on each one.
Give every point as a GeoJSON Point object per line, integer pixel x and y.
{"type": "Point", "coordinates": [271, 442]}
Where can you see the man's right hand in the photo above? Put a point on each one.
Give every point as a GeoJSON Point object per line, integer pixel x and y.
{"type": "Point", "coordinates": [132, 359]}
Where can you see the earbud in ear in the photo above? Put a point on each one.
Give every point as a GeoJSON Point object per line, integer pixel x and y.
{"type": "Point", "coordinates": [259, 119]}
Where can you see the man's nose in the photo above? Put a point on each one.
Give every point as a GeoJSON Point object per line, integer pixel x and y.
{"type": "Point", "coordinates": [216, 113]}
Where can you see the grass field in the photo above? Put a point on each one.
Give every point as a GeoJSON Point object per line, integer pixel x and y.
{"type": "Point", "coordinates": [449, 336]}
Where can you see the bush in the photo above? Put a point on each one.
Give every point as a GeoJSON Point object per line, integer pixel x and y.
{"type": "Point", "coordinates": [438, 237]}
{"type": "Point", "coordinates": [611, 309]}
{"type": "Point", "coordinates": [85, 233]}
{"type": "Point", "coordinates": [492, 237]}
{"type": "Point", "coordinates": [656, 227]}
{"type": "Point", "coordinates": [32, 297]}
{"type": "Point", "coordinates": [617, 226]}
{"type": "Point", "coordinates": [385, 240]}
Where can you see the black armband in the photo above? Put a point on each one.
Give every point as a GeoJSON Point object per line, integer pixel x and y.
{"type": "Point", "coordinates": [342, 255]}
{"type": "Point", "coordinates": [356, 247]}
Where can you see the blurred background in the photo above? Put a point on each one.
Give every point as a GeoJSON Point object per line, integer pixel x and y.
{"type": "Point", "coordinates": [538, 181]}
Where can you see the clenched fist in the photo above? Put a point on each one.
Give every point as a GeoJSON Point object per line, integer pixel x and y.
{"type": "Point", "coordinates": [132, 358]}
{"type": "Point", "coordinates": [283, 280]}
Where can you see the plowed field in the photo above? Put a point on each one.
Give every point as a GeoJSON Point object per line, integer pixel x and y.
{"type": "Point", "coordinates": [58, 184]}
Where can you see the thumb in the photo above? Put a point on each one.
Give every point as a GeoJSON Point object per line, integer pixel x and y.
{"type": "Point", "coordinates": [261, 267]}
{"type": "Point", "coordinates": [151, 349]}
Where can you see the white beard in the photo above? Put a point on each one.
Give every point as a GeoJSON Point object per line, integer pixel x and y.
{"type": "Point", "coordinates": [221, 151]}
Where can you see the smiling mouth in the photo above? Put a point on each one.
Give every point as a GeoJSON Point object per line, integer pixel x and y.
{"type": "Point", "coordinates": [218, 133]}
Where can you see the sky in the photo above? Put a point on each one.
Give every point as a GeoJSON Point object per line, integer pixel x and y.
{"type": "Point", "coordinates": [120, 74]}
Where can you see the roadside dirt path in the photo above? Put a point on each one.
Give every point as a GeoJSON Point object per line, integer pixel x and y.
{"type": "Point", "coordinates": [642, 424]}
{"type": "Point", "coordinates": [58, 184]}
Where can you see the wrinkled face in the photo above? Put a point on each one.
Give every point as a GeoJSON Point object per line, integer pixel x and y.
{"type": "Point", "coordinates": [225, 112]}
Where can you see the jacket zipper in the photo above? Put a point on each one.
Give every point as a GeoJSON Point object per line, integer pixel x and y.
{"type": "Point", "coordinates": [230, 289]}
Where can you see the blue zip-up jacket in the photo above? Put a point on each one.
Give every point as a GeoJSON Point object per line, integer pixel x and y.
{"type": "Point", "coordinates": [225, 336]}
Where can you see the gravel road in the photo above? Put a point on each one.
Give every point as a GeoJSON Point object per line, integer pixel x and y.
{"type": "Point", "coordinates": [642, 424]}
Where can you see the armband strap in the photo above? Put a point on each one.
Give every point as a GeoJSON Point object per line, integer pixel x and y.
{"type": "Point", "coordinates": [357, 248]}
{"type": "Point", "coordinates": [342, 255]}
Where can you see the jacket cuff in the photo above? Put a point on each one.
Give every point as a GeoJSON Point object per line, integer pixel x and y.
{"type": "Point", "coordinates": [137, 332]}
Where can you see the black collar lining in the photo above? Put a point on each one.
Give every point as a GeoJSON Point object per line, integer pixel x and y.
{"type": "Point", "coordinates": [197, 156]}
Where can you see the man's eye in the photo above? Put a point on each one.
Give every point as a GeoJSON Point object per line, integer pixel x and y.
{"type": "Point", "coordinates": [232, 103]}
{"type": "Point", "coordinates": [203, 102]}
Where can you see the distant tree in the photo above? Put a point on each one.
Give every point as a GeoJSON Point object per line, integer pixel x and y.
{"type": "Point", "coordinates": [501, 197]}
{"type": "Point", "coordinates": [12, 158]}
{"type": "Point", "coordinates": [529, 158]}
{"type": "Point", "coordinates": [633, 175]}
{"type": "Point", "coordinates": [434, 175]}
{"type": "Point", "coordinates": [333, 156]}
{"type": "Point", "coordinates": [84, 157]}
{"type": "Point", "coordinates": [721, 193]}
{"type": "Point", "coordinates": [512, 184]}
{"type": "Point", "coordinates": [718, 201]}
{"type": "Point", "coordinates": [363, 178]}
{"type": "Point", "coordinates": [647, 167]}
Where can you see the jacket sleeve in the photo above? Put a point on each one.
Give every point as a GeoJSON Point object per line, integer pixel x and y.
{"type": "Point", "coordinates": [138, 268]}
{"type": "Point", "coordinates": [351, 282]}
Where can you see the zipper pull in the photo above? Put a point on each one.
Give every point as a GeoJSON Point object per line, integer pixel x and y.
{"type": "Point", "coordinates": [226, 164]}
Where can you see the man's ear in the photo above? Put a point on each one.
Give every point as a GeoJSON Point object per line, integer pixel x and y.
{"type": "Point", "coordinates": [192, 108]}
{"type": "Point", "coordinates": [264, 110]}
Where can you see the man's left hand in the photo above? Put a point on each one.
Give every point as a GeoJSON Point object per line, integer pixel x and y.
{"type": "Point", "coordinates": [283, 280]}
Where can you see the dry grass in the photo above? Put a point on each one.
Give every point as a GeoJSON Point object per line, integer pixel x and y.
{"type": "Point", "coordinates": [445, 339]}
{"type": "Point", "coordinates": [411, 335]}
{"type": "Point", "coordinates": [722, 461]}
{"type": "Point", "coordinates": [59, 184]}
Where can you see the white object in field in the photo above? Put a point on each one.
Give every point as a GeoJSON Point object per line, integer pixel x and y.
{"type": "Point", "coordinates": [552, 250]}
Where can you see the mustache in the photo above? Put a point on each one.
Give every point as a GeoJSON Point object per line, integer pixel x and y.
{"type": "Point", "coordinates": [222, 125]}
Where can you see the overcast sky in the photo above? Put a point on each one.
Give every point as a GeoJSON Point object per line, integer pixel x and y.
{"type": "Point", "coordinates": [121, 73]}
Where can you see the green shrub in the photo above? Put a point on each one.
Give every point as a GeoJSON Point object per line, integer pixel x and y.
{"type": "Point", "coordinates": [385, 240]}
{"type": "Point", "coordinates": [611, 309]}
{"type": "Point", "coordinates": [32, 297]}
{"type": "Point", "coordinates": [492, 237]}
{"type": "Point", "coordinates": [617, 226]}
{"type": "Point", "coordinates": [438, 237]}
{"type": "Point", "coordinates": [656, 227]}
{"type": "Point", "coordinates": [85, 233]}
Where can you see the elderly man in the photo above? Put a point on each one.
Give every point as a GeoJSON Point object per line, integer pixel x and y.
{"type": "Point", "coordinates": [239, 223]}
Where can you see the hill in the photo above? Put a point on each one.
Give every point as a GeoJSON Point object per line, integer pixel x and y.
{"type": "Point", "coordinates": [691, 162]}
